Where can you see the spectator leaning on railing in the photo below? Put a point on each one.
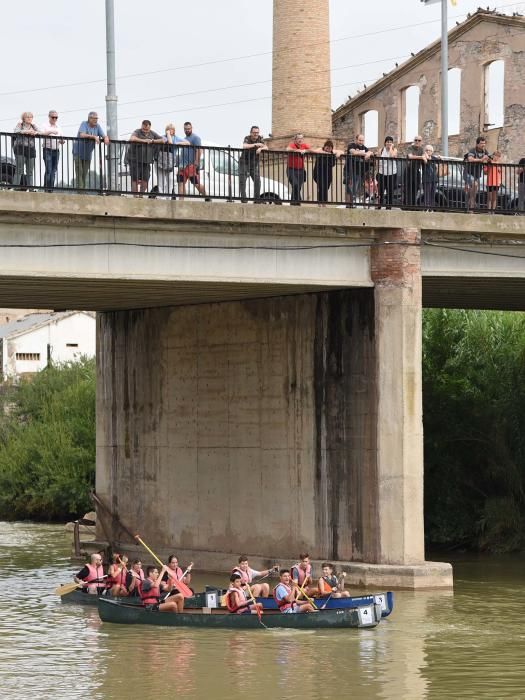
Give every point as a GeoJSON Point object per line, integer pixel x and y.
{"type": "Point", "coordinates": [494, 173]}
{"type": "Point", "coordinates": [521, 185]}
{"type": "Point", "coordinates": [323, 170]}
{"type": "Point", "coordinates": [141, 154]}
{"type": "Point", "coordinates": [356, 168]}
{"type": "Point", "coordinates": [51, 149]}
{"type": "Point", "coordinates": [24, 148]}
{"type": "Point", "coordinates": [387, 173]}
{"type": "Point", "coordinates": [430, 176]}
{"type": "Point", "coordinates": [415, 155]}
{"type": "Point", "coordinates": [473, 169]}
{"type": "Point", "coordinates": [252, 146]}
{"type": "Point", "coordinates": [295, 170]}
{"type": "Point", "coordinates": [90, 133]}
{"type": "Point", "coordinates": [167, 160]}
{"type": "Point", "coordinates": [189, 162]}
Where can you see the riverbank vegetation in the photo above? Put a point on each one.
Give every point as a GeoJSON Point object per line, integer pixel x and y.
{"type": "Point", "coordinates": [474, 421]}
{"type": "Point", "coordinates": [47, 444]}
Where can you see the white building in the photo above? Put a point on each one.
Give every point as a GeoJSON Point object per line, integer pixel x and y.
{"type": "Point", "coordinates": [28, 343]}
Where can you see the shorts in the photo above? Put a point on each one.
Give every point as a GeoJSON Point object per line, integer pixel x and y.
{"type": "Point", "coordinates": [470, 179]}
{"type": "Point", "coordinates": [139, 171]}
{"type": "Point", "coordinates": [293, 610]}
{"type": "Point", "coordinates": [493, 188]}
{"type": "Point", "coordinates": [188, 172]}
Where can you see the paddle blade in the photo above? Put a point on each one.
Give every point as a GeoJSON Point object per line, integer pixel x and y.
{"type": "Point", "coordinates": [66, 588]}
{"type": "Point", "coordinates": [183, 588]}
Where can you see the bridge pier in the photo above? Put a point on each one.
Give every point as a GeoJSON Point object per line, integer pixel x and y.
{"type": "Point", "coordinates": [273, 426]}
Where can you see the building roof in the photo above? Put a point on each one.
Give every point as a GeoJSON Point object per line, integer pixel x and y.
{"type": "Point", "coordinates": [430, 50]}
{"type": "Point", "coordinates": [33, 321]}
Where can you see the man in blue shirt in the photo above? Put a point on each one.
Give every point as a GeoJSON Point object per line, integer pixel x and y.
{"type": "Point", "coordinates": [189, 162]}
{"type": "Point", "coordinates": [89, 134]}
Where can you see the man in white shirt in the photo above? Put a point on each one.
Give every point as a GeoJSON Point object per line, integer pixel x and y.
{"type": "Point", "coordinates": [51, 149]}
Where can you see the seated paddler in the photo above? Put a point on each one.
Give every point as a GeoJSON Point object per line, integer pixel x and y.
{"type": "Point", "coordinates": [238, 600]}
{"type": "Point", "coordinates": [331, 584]}
{"type": "Point", "coordinates": [302, 574]}
{"type": "Point", "coordinates": [247, 575]}
{"type": "Point", "coordinates": [286, 594]}
{"type": "Point", "coordinates": [117, 573]}
{"type": "Point", "coordinates": [151, 594]}
{"type": "Point", "coordinates": [92, 576]}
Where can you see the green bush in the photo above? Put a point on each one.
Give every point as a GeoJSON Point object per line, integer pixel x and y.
{"type": "Point", "coordinates": [474, 420]}
{"type": "Point", "coordinates": [47, 444]}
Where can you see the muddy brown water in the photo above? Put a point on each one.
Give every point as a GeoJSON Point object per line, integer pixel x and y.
{"type": "Point", "coordinates": [466, 644]}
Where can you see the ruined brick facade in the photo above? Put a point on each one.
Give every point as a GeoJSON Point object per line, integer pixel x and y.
{"type": "Point", "coordinates": [301, 71]}
{"type": "Point", "coordinates": [483, 38]}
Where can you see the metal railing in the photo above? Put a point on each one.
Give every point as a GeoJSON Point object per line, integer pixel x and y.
{"type": "Point", "coordinates": [68, 164]}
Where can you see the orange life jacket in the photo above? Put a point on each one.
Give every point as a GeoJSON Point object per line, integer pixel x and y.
{"type": "Point", "coordinates": [326, 584]}
{"type": "Point", "coordinates": [246, 576]}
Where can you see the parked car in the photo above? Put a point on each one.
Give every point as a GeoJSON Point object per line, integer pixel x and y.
{"type": "Point", "coordinates": [450, 188]}
{"type": "Point", "coordinates": [7, 170]}
{"type": "Point", "coordinates": [219, 173]}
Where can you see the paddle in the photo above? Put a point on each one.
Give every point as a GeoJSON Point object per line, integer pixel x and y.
{"type": "Point", "coordinates": [180, 585]}
{"type": "Point", "coordinates": [326, 601]}
{"type": "Point", "coordinates": [303, 592]}
{"type": "Point", "coordinates": [70, 587]}
{"type": "Point", "coordinates": [188, 569]}
{"type": "Point", "coordinates": [259, 613]}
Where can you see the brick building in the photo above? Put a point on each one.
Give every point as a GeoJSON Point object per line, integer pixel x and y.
{"type": "Point", "coordinates": [486, 84]}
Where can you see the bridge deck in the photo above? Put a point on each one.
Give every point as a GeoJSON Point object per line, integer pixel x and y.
{"type": "Point", "coordinates": [102, 253]}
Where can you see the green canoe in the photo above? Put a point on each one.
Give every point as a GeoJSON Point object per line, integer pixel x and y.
{"type": "Point", "coordinates": [218, 618]}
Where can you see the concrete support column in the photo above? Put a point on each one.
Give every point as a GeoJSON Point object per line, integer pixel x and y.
{"type": "Point", "coordinates": [396, 271]}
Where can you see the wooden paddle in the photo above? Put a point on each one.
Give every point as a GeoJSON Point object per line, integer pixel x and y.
{"type": "Point", "coordinates": [257, 607]}
{"type": "Point", "coordinates": [180, 585]}
{"type": "Point", "coordinates": [70, 587]}
{"type": "Point", "coordinates": [303, 592]}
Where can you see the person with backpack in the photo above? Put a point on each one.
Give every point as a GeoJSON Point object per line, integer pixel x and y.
{"type": "Point", "coordinates": [24, 148]}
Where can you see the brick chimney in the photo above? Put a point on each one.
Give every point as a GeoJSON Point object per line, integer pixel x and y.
{"type": "Point", "coordinates": [301, 99]}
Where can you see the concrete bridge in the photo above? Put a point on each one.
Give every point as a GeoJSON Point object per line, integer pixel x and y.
{"type": "Point", "coordinates": [259, 367]}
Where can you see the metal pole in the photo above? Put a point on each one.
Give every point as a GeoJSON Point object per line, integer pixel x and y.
{"type": "Point", "coordinates": [111, 97]}
{"type": "Point", "coordinates": [444, 77]}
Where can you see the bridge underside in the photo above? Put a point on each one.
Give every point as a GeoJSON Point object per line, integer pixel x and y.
{"type": "Point", "coordinates": [31, 292]}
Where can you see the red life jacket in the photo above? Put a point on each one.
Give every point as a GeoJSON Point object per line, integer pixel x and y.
{"type": "Point", "coordinates": [282, 604]}
{"type": "Point", "coordinates": [232, 596]}
{"type": "Point", "coordinates": [246, 576]}
{"type": "Point", "coordinates": [118, 580]}
{"type": "Point", "coordinates": [151, 596]}
{"type": "Point", "coordinates": [140, 577]}
{"type": "Point", "coordinates": [301, 573]}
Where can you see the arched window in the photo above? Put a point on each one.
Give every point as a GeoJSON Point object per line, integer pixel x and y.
{"type": "Point", "coordinates": [454, 100]}
{"type": "Point", "coordinates": [494, 94]}
{"type": "Point", "coordinates": [370, 122]}
{"type": "Point", "coordinates": [410, 104]}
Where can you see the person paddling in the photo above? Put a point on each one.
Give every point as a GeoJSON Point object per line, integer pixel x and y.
{"type": "Point", "coordinates": [134, 578]}
{"type": "Point", "coordinates": [117, 573]}
{"type": "Point", "coordinates": [302, 574]}
{"type": "Point", "coordinates": [150, 592]}
{"type": "Point", "coordinates": [247, 575]}
{"type": "Point", "coordinates": [285, 595]}
{"type": "Point", "coordinates": [237, 600]}
{"type": "Point", "coordinates": [92, 575]}
{"type": "Point", "coordinates": [330, 584]}
{"type": "Point", "coordinates": [175, 573]}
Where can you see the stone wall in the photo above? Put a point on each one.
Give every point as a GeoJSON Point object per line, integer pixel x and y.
{"type": "Point", "coordinates": [487, 37]}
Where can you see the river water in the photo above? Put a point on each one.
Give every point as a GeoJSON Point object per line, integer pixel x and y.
{"type": "Point", "coordinates": [466, 644]}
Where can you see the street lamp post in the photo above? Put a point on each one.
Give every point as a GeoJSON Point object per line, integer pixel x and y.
{"type": "Point", "coordinates": [444, 72]}
{"type": "Point", "coordinates": [111, 96]}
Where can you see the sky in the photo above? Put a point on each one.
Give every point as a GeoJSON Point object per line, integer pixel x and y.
{"type": "Point", "coordinates": [208, 62]}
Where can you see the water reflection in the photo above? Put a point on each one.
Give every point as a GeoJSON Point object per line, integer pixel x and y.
{"type": "Point", "coordinates": [435, 645]}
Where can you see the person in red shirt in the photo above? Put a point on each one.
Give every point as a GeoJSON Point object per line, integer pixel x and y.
{"type": "Point", "coordinates": [296, 172]}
